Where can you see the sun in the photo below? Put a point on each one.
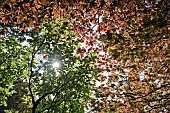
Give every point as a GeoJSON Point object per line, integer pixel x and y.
{"type": "Point", "coordinates": [56, 65]}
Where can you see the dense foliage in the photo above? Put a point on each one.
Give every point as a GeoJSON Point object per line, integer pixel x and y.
{"type": "Point", "coordinates": [130, 37]}
{"type": "Point", "coordinates": [51, 88]}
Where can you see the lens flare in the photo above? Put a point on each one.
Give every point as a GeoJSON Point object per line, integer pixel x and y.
{"type": "Point", "coordinates": [56, 65]}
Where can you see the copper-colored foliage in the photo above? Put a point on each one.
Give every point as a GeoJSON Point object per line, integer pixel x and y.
{"type": "Point", "coordinates": [134, 40]}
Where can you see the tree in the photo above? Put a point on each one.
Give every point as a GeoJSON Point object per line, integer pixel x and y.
{"type": "Point", "coordinates": [14, 65]}
{"type": "Point", "coordinates": [70, 90]}
{"type": "Point", "coordinates": [65, 88]}
{"type": "Point", "coordinates": [131, 40]}
{"type": "Point", "coordinates": [138, 79]}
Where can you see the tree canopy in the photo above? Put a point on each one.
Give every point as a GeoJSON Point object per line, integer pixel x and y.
{"type": "Point", "coordinates": [129, 37]}
{"type": "Point", "coordinates": [49, 88]}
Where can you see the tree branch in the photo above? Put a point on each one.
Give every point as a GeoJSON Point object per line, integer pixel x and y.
{"type": "Point", "coordinates": [31, 66]}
